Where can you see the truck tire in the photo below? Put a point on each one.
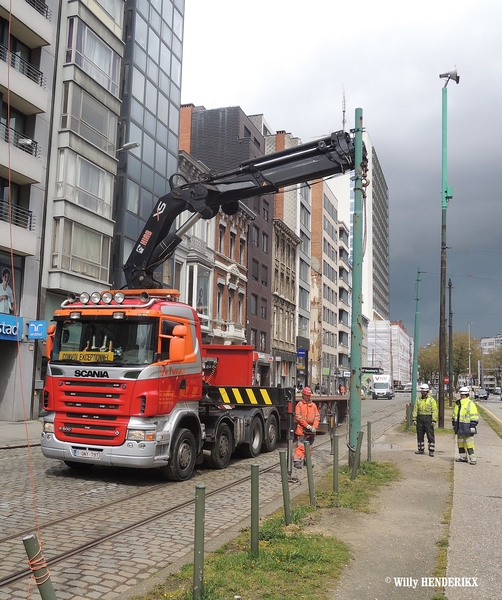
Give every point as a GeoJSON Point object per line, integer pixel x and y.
{"type": "Point", "coordinates": [183, 455]}
{"type": "Point", "coordinates": [253, 448]}
{"type": "Point", "coordinates": [221, 450]}
{"type": "Point", "coordinates": [271, 434]}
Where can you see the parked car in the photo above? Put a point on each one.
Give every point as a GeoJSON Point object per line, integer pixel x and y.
{"type": "Point", "coordinates": [407, 387]}
{"type": "Point", "coordinates": [498, 391]}
{"type": "Point", "coordinates": [481, 394]}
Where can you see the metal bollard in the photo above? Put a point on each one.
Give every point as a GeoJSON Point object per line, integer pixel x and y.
{"type": "Point", "coordinates": [198, 549]}
{"type": "Point", "coordinates": [369, 440]}
{"type": "Point", "coordinates": [285, 488]}
{"type": "Point", "coordinates": [255, 507]}
{"type": "Point", "coordinates": [39, 567]}
{"type": "Point", "coordinates": [335, 453]}
{"type": "Point", "coordinates": [310, 473]}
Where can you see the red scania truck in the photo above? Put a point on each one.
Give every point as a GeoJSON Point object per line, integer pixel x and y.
{"type": "Point", "coordinates": [129, 381]}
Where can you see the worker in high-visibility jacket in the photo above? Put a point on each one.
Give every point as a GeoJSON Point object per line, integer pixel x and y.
{"type": "Point", "coordinates": [307, 421]}
{"type": "Point", "coordinates": [425, 416]}
{"type": "Point", "coordinates": [464, 420]}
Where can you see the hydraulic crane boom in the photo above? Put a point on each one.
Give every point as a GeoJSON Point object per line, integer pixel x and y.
{"type": "Point", "coordinates": [332, 155]}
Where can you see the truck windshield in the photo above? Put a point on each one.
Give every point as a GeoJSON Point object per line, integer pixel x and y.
{"type": "Point", "coordinates": [380, 386]}
{"type": "Point", "coordinates": [130, 342]}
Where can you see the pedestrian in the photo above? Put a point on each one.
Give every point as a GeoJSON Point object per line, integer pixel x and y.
{"type": "Point", "coordinates": [317, 388]}
{"type": "Point", "coordinates": [464, 421]}
{"type": "Point", "coordinates": [307, 421]}
{"type": "Point", "coordinates": [425, 416]}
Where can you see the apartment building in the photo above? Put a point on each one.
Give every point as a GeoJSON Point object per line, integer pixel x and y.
{"type": "Point", "coordinates": [222, 139]}
{"type": "Point", "coordinates": [28, 42]}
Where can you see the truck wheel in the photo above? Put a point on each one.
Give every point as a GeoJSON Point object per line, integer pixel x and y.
{"type": "Point", "coordinates": [253, 448]}
{"type": "Point", "coordinates": [324, 414]}
{"type": "Point", "coordinates": [271, 434]}
{"type": "Point", "coordinates": [183, 455]}
{"type": "Point", "coordinates": [221, 450]}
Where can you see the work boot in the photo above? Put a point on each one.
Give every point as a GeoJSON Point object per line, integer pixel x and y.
{"type": "Point", "coordinates": [461, 459]}
{"type": "Point", "coordinates": [473, 462]}
{"type": "Point", "coordinates": [419, 452]}
{"type": "Point", "coordinates": [431, 453]}
{"type": "Point", "coordinates": [297, 464]}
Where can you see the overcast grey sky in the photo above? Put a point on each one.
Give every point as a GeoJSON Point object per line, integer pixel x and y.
{"type": "Point", "coordinates": [292, 60]}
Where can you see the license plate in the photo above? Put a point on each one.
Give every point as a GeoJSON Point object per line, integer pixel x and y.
{"type": "Point", "coordinates": [87, 454]}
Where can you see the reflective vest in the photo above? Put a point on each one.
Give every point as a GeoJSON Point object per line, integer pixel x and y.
{"type": "Point", "coordinates": [306, 413]}
{"type": "Point", "coordinates": [425, 406]}
{"type": "Point", "coordinates": [465, 415]}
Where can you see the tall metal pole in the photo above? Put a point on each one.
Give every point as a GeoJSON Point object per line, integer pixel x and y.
{"type": "Point", "coordinates": [450, 348]}
{"type": "Point", "coordinates": [357, 292]}
{"type": "Point", "coordinates": [469, 336]}
{"type": "Point", "coordinates": [446, 196]}
{"type": "Point", "coordinates": [414, 375]}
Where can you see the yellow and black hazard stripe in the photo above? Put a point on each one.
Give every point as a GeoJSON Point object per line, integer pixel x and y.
{"type": "Point", "coordinates": [245, 396]}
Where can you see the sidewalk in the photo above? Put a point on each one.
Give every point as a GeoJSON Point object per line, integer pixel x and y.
{"type": "Point", "coordinates": [395, 547]}
{"type": "Point", "coordinates": [19, 434]}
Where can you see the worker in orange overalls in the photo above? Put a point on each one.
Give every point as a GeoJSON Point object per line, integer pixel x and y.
{"type": "Point", "coordinates": [307, 421]}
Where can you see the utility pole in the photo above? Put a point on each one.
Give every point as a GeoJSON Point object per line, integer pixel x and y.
{"type": "Point", "coordinates": [414, 375]}
{"type": "Point", "coordinates": [446, 196]}
{"type": "Point", "coordinates": [450, 348]}
{"type": "Point", "coordinates": [357, 292]}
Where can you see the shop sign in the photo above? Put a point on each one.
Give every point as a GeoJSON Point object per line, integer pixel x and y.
{"type": "Point", "coordinates": [11, 328]}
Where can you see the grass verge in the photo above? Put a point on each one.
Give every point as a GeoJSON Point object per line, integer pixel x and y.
{"type": "Point", "coordinates": [291, 563]}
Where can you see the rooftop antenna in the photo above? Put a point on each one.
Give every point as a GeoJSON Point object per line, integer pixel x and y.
{"type": "Point", "coordinates": [343, 109]}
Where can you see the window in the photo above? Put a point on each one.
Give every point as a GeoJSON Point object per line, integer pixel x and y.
{"type": "Point", "coordinates": [263, 342]}
{"type": "Point", "coordinates": [252, 337]}
{"type": "Point", "coordinates": [84, 183]}
{"type": "Point", "coordinates": [256, 235]}
{"type": "Point", "coordinates": [264, 243]}
{"type": "Point", "coordinates": [255, 267]}
{"type": "Point", "coordinates": [115, 8]}
{"type": "Point", "coordinates": [264, 275]}
{"type": "Point", "coordinates": [240, 306]}
{"type": "Point", "coordinates": [263, 308]}
{"type": "Point", "coordinates": [219, 302]}
{"type": "Point", "coordinates": [242, 247]}
{"type": "Point", "coordinates": [230, 316]}
{"type": "Point", "coordinates": [92, 55]}
{"type": "Point", "coordinates": [221, 239]}
{"type": "Point", "coordinates": [232, 245]}
{"type": "Point", "coordinates": [254, 304]}
{"type": "Point", "coordinates": [304, 299]}
{"type": "Point", "coordinates": [80, 250]}
{"type": "Point", "coordinates": [265, 211]}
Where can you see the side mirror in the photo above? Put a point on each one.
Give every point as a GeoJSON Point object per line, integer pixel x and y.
{"type": "Point", "coordinates": [49, 344]}
{"type": "Point", "coordinates": [177, 349]}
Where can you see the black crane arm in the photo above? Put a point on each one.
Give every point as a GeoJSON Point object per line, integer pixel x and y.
{"type": "Point", "coordinates": [332, 155]}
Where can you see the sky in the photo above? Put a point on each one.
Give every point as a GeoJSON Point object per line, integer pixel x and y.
{"type": "Point", "coordinates": [294, 62]}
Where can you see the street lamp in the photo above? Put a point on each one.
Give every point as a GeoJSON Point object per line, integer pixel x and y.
{"type": "Point", "coordinates": [469, 323]}
{"type": "Point", "coordinates": [446, 196]}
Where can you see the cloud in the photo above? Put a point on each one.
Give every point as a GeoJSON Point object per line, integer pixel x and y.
{"type": "Point", "coordinates": [293, 63]}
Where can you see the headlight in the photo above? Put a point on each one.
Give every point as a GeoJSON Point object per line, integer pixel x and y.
{"type": "Point", "coordinates": [141, 435]}
{"type": "Point", "coordinates": [48, 427]}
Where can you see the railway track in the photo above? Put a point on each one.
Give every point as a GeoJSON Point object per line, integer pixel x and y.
{"type": "Point", "coordinates": [115, 543]}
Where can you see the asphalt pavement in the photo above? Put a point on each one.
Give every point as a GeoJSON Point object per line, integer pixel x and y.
{"type": "Point", "coordinates": [399, 563]}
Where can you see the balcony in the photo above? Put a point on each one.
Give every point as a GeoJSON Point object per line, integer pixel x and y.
{"type": "Point", "coordinates": [30, 21]}
{"type": "Point", "coordinates": [27, 85]}
{"type": "Point", "coordinates": [17, 224]}
{"type": "Point", "coordinates": [19, 157]}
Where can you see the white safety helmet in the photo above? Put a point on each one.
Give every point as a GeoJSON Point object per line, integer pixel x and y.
{"type": "Point", "coordinates": [424, 387]}
{"type": "Point", "coordinates": [463, 390]}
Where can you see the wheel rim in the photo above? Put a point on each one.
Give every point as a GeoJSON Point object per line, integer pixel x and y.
{"type": "Point", "coordinates": [184, 456]}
